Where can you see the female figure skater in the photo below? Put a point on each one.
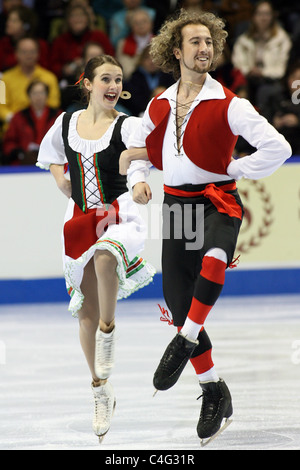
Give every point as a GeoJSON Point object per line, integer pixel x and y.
{"type": "Point", "coordinates": [103, 231]}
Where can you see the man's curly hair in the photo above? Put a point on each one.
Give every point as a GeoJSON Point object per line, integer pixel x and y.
{"type": "Point", "coordinates": [170, 37]}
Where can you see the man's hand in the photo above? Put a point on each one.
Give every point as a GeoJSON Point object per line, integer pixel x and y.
{"type": "Point", "coordinates": [142, 193]}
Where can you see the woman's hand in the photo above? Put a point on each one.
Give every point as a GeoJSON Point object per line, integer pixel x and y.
{"type": "Point", "coordinates": [142, 193]}
{"type": "Point", "coordinates": [129, 155]}
{"type": "Point", "coordinates": [65, 186]}
{"type": "Point", "coordinates": [62, 182]}
{"type": "Point", "coordinates": [124, 162]}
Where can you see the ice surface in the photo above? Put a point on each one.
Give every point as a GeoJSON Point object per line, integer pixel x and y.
{"type": "Point", "coordinates": [46, 400]}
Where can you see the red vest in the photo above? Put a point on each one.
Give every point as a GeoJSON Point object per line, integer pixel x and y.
{"type": "Point", "coordinates": [208, 140]}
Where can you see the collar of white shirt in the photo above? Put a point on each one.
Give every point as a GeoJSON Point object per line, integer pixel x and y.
{"type": "Point", "coordinates": [211, 90]}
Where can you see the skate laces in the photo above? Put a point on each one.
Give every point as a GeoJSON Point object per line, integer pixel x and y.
{"type": "Point", "coordinates": [174, 355]}
{"type": "Point", "coordinates": [105, 349]}
{"type": "Point", "coordinates": [102, 405]}
{"type": "Point", "coordinates": [210, 406]}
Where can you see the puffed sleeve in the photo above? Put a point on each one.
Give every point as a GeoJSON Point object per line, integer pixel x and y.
{"type": "Point", "coordinates": [139, 170]}
{"type": "Point", "coordinates": [52, 149]}
{"type": "Point", "coordinates": [128, 128]}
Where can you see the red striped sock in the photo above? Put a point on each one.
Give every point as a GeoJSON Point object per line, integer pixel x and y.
{"type": "Point", "coordinates": [208, 288]}
{"type": "Point", "coordinates": [202, 363]}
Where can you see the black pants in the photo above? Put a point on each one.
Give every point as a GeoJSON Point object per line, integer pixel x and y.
{"type": "Point", "coordinates": [181, 266]}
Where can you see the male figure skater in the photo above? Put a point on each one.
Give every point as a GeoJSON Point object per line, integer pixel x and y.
{"type": "Point", "coordinates": [190, 132]}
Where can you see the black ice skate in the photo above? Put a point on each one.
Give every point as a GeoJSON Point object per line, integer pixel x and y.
{"type": "Point", "coordinates": [216, 405]}
{"type": "Point", "coordinates": [173, 362]}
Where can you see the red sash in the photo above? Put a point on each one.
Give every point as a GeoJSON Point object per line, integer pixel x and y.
{"type": "Point", "coordinates": [223, 201]}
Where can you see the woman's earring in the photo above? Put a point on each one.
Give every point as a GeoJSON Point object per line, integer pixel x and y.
{"type": "Point", "coordinates": [125, 95]}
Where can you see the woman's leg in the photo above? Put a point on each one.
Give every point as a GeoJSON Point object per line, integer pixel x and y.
{"type": "Point", "coordinates": [107, 288]}
{"type": "Point", "coordinates": [89, 316]}
{"type": "Point", "coordinates": [96, 273]}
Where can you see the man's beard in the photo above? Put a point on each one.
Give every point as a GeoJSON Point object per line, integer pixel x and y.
{"type": "Point", "coordinates": [196, 68]}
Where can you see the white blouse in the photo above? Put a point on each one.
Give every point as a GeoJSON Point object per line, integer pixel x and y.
{"type": "Point", "coordinates": [52, 150]}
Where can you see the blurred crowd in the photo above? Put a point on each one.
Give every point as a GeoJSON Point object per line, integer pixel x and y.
{"type": "Point", "coordinates": [45, 44]}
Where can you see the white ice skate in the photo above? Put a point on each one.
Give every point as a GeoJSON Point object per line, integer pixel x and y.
{"type": "Point", "coordinates": [104, 354]}
{"type": "Point", "coordinates": [104, 407]}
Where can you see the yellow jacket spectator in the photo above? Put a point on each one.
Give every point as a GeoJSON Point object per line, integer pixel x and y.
{"type": "Point", "coordinates": [18, 78]}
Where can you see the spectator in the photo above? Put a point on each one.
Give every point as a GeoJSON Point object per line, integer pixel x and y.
{"type": "Point", "coordinates": [97, 22]}
{"type": "Point", "coordinates": [129, 49]}
{"type": "Point", "coordinates": [295, 50]}
{"type": "Point", "coordinates": [19, 77]}
{"type": "Point", "coordinates": [229, 76]}
{"type": "Point", "coordinates": [70, 94]}
{"type": "Point", "coordinates": [47, 11]}
{"type": "Point", "coordinates": [144, 83]}
{"type": "Point", "coordinates": [68, 47]}
{"type": "Point", "coordinates": [162, 10]}
{"type": "Point", "coordinates": [204, 5]}
{"type": "Point", "coordinates": [237, 14]}
{"type": "Point", "coordinates": [283, 110]}
{"type": "Point", "coordinates": [262, 53]}
{"type": "Point", "coordinates": [27, 128]}
{"type": "Point", "coordinates": [289, 15]}
{"type": "Point", "coordinates": [107, 9]}
{"type": "Point", "coordinates": [7, 5]}
{"type": "Point", "coordinates": [21, 22]}
{"type": "Point", "coordinates": [119, 23]}
{"type": "Point", "coordinates": [191, 4]}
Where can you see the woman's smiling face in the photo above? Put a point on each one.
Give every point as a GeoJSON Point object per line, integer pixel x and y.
{"type": "Point", "coordinates": [106, 86]}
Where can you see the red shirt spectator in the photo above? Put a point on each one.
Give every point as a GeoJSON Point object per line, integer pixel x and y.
{"type": "Point", "coordinates": [21, 22]}
{"type": "Point", "coordinates": [28, 127]}
{"type": "Point", "coordinates": [67, 48]}
{"type": "Point", "coordinates": [8, 57]}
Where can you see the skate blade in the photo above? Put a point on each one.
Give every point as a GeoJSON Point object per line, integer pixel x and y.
{"type": "Point", "coordinates": [101, 438]}
{"type": "Point", "coordinates": [205, 442]}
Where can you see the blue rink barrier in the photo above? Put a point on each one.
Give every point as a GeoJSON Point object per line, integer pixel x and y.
{"type": "Point", "coordinates": [238, 283]}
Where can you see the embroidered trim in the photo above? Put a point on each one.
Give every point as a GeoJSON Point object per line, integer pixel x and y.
{"type": "Point", "coordinates": [132, 276]}
{"type": "Point", "coordinates": [84, 203]}
{"type": "Point", "coordinates": [120, 248]}
{"type": "Point", "coordinates": [98, 178]}
{"type": "Point", "coordinates": [135, 266]}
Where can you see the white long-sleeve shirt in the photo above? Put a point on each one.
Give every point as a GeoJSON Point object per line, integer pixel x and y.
{"type": "Point", "coordinates": [243, 119]}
